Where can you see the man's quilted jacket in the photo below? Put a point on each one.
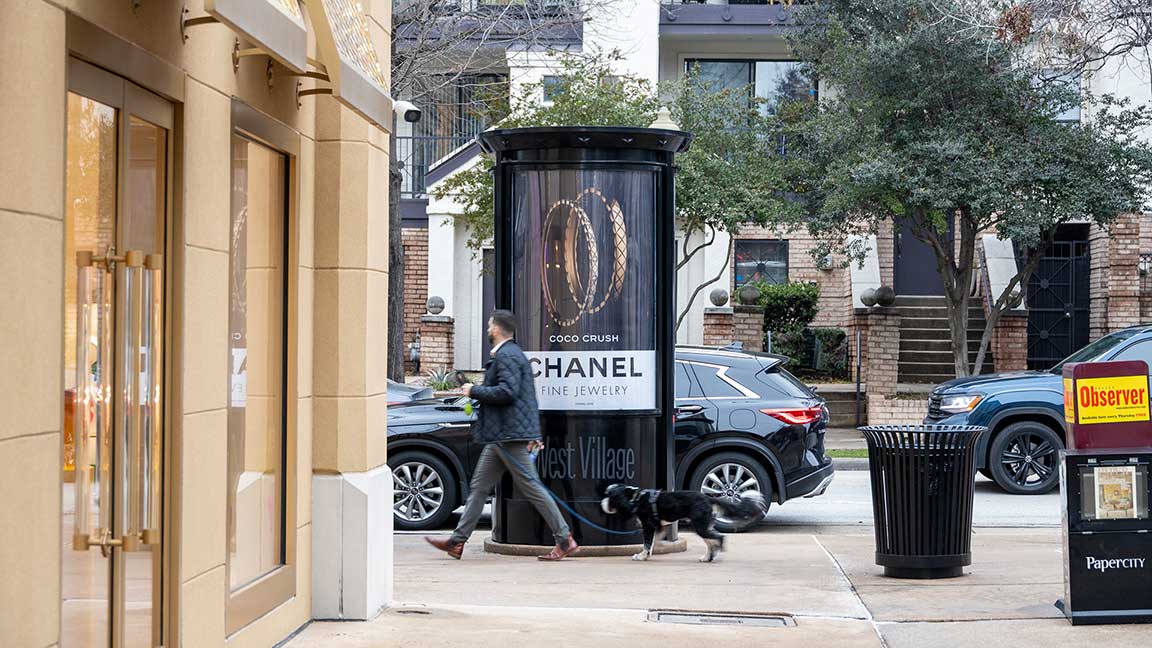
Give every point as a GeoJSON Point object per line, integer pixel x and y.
{"type": "Point", "coordinates": [508, 410]}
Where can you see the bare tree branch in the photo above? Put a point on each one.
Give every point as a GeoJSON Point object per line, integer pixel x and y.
{"type": "Point", "coordinates": [702, 286]}
{"type": "Point", "coordinates": [688, 255]}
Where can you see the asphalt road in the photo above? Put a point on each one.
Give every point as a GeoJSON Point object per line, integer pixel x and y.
{"type": "Point", "coordinates": [848, 502]}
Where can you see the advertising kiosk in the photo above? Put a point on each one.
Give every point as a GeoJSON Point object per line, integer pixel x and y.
{"type": "Point", "coordinates": [1105, 494]}
{"type": "Point", "coordinates": [585, 259]}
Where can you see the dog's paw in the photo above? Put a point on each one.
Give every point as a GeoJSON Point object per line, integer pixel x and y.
{"type": "Point", "coordinates": [706, 558]}
{"type": "Point", "coordinates": [643, 555]}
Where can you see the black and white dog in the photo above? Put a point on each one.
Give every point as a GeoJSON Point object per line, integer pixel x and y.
{"type": "Point", "coordinates": [656, 508]}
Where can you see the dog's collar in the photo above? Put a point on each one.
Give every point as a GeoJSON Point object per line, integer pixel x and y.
{"type": "Point", "coordinates": [651, 493]}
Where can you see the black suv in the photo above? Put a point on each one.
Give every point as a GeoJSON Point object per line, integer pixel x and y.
{"type": "Point", "coordinates": [743, 423]}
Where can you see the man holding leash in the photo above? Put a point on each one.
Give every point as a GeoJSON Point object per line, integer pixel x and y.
{"type": "Point", "coordinates": [508, 424]}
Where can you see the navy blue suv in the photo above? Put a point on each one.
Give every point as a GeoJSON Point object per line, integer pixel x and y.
{"type": "Point", "coordinates": [1025, 413]}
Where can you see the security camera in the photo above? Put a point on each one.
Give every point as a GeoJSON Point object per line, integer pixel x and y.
{"type": "Point", "coordinates": [408, 110]}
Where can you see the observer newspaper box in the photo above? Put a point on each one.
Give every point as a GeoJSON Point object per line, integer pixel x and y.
{"type": "Point", "coordinates": [1106, 404]}
{"type": "Point", "coordinates": [1105, 494]}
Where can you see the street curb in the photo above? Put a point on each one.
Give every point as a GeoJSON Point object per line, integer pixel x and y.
{"type": "Point", "coordinates": [850, 463]}
{"type": "Point", "coordinates": [593, 551]}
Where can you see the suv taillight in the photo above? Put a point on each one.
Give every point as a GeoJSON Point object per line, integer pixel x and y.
{"type": "Point", "coordinates": [800, 416]}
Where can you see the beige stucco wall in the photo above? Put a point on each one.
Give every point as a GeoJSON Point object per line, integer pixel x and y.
{"type": "Point", "coordinates": [31, 329]}
{"type": "Point", "coordinates": [340, 298]}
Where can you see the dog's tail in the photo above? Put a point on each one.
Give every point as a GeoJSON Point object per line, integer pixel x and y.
{"type": "Point", "coordinates": [750, 506]}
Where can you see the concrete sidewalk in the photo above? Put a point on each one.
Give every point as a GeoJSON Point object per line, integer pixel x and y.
{"type": "Point", "coordinates": [823, 578]}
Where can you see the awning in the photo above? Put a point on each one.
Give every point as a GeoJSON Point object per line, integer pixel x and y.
{"type": "Point", "coordinates": [354, 70]}
{"type": "Point", "coordinates": [275, 26]}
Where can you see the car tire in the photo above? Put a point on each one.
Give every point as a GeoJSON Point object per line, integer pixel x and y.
{"type": "Point", "coordinates": [419, 477]}
{"type": "Point", "coordinates": [718, 472]}
{"type": "Point", "coordinates": [1024, 458]}
{"type": "Point", "coordinates": [987, 472]}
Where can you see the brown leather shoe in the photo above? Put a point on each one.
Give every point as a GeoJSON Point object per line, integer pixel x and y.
{"type": "Point", "coordinates": [561, 551]}
{"type": "Point", "coordinates": [453, 549]}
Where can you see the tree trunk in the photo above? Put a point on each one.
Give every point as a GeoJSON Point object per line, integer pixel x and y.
{"type": "Point", "coordinates": [396, 346]}
{"type": "Point", "coordinates": [956, 271]}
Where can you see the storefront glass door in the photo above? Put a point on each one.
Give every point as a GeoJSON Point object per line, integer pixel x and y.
{"type": "Point", "coordinates": [112, 545]}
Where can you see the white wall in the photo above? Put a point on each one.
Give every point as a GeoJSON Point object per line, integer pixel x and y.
{"type": "Point", "coordinates": [705, 265]}
{"type": "Point", "coordinates": [1129, 76]}
{"type": "Point", "coordinates": [633, 28]}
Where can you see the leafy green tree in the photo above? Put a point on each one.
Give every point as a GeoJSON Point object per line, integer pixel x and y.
{"type": "Point", "coordinates": [953, 136]}
{"type": "Point", "coordinates": [731, 175]}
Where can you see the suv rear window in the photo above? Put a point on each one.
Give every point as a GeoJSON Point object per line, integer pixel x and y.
{"type": "Point", "coordinates": [713, 385]}
{"type": "Point", "coordinates": [783, 383]}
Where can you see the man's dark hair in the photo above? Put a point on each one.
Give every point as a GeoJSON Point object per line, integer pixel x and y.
{"type": "Point", "coordinates": [506, 321]}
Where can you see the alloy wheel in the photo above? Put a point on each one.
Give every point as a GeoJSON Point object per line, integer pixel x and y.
{"type": "Point", "coordinates": [1029, 459]}
{"type": "Point", "coordinates": [419, 491]}
{"type": "Point", "coordinates": [730, 481]}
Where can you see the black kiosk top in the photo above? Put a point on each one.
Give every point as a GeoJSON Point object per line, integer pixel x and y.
{"type": "Point", "coordinates": [584, 137]}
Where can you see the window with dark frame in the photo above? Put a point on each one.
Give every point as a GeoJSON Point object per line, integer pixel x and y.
{"type": "Point", "coordinates": [257, 416]}
{"type": "Point", "coordinates": [760, 260]}
{"type": "Point", "coordinates": [773, 81]}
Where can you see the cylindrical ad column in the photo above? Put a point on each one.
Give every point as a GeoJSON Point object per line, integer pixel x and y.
{"type": "Point", "coordinates": [585, 260]}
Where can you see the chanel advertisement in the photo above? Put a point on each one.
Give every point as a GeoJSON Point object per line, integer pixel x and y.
{"type": "Point", "coordinates": [585, 277]}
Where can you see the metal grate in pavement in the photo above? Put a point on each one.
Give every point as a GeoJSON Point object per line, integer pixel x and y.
{"type": "Point", "coordinates": [745, 619]}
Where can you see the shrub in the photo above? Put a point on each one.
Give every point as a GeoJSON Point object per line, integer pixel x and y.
{"type": "Point", "coordinates": [788, 307]}
{"type": "Point", "coordinates": [441, 380]}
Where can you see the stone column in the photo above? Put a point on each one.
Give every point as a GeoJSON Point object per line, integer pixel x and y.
{"type": "Point", "coordinates": [1123, 273]}
{"type": "Point", "coordinates": [32, 113]}
{"type": "Point", "coordinates": [352, 485]}
{"type": "Point", "coordinates": [718, 326]}
{"type": "Point", "coordinates": [880, 351]}
{"type": "Point", "coordinates": [1010, 342]}
{"type": "Point", "coordinates": [437, 341]}
{"type": "Point", "coordinates": [748, 327]}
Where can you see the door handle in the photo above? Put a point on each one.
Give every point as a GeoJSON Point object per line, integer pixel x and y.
{"type": "Point", "coordinates": [136, 401]}
{"type": "Point", "coordinates": [687, 410]}
{"type": "Point", "coordinates": [142, 370]}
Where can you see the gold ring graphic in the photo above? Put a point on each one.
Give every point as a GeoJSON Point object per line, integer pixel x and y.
{"type": "Point", "coordinates": [577, 221]}
{"type": "Point", "coordinates": [578, 228]}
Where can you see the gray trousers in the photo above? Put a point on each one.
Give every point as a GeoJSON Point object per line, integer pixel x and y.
{"type": "Point", "coordinates": [489, 469]}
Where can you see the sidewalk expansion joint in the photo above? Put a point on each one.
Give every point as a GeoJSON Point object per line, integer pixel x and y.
{"type": "Point", "coordinates": [840, 569]}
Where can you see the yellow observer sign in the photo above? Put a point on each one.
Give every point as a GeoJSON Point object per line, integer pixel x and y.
{"type": "Point", "coordinates": [1117, 399]}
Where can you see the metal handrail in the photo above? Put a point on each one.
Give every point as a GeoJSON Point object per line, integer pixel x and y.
{"type": "Point", "coordinates": [419, 153]}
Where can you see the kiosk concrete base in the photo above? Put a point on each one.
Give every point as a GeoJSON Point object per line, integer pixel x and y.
{"type": "Point", "coordinates": [594, 551]}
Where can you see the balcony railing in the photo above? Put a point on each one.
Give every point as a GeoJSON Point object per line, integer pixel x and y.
{"type": "Point", "coordinates": [419, 153]}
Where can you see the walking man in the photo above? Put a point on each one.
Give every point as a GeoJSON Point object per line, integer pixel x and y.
{"type": "Point", "coordinates": [508, 424]}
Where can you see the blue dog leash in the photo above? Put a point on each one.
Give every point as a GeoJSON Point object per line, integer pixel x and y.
{"type": "Point", "coordinates": [531, 474]}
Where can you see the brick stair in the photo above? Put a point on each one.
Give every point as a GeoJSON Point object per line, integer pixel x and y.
{"type": "Point", "coordinates": [925, 341]}
{"type": "Point", "coordinates": [841, 399]}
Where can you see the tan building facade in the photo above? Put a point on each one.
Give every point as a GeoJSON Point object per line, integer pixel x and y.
{"type": "Point", "coordinates": [193, 239]}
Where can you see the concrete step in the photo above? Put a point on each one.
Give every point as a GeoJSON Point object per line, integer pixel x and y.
{"type": "Point", "coordinates": [840, 396]}
{"type": "Point", "coordinates": [935, 379]}
{"type": "Point", "coordinates": [976, 312]}
{"type": "Point", "coordinates": [923, 368]}
{"type": "Point", "coordinates": [938, 357]}
{"type": "Point", "coordinates": [920, 300]}
{"type": "Point", "coordinates": [941, 344]}
{"type": "Point", "coordinates": [940, 323]}
{"type": "Point", "coordinates": [936, 334]}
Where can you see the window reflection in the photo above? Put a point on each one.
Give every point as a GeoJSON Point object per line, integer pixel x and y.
{"type": "Point", "coordinates": [256, 369]}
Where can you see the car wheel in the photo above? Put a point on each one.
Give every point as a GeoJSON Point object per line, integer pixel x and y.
{"type": "Point", "coordinates": [425, 491]}
{"type": "Point", "coordinates": [730, 474]}
{"type": "Point", "coordinates": [1025, 458]}
{"type": "Point", "coordinates": [987, 472]}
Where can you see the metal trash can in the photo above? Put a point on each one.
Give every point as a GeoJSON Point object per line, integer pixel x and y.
{"type": "Point", "coordinates": [922, 481]}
